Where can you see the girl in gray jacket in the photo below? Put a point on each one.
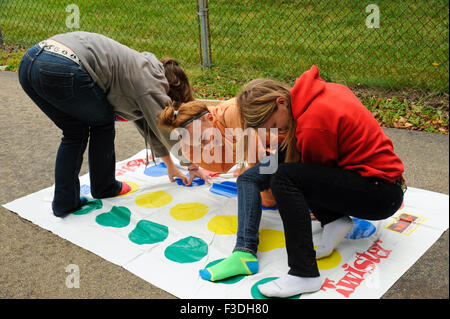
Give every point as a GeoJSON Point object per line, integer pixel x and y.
{"type": "Point", "coordinates": [82, 81]}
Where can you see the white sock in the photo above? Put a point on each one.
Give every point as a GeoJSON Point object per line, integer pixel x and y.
{"type": "Point", "coordinates": [333, 234]}
{"type": "Point", "coordinates": [288, 285]}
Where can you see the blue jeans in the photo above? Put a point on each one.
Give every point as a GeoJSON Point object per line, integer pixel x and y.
{"type": "Point", "coordinates": [66, 93]}
{"type": "Point", "coordinates": [250, 184]}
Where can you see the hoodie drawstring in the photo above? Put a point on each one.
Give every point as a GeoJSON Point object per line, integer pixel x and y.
{"type": "Point", "coordinates": [147, 133]}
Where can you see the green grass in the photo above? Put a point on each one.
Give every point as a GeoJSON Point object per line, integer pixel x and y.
{"type": "Point", "coordinates": [10, 59]}
{"type": "Point", "coordinates": [287, 37]}
{"type": "Point", "coordinates": [276, 39]}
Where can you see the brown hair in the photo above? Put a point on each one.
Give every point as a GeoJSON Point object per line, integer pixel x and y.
{"type": "Point", "coordinates": [257, 103]}
{"type": "Point", "coordinates": [179, 88]}
{"type": "Point", "coordinates": [186, 111]}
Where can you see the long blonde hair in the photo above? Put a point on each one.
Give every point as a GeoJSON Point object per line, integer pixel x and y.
{"type": "Point", "coordinates": [257, 103]}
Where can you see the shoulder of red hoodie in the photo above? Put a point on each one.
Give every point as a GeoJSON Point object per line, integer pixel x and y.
{"type": "Point", "coordinates": [335, 129]}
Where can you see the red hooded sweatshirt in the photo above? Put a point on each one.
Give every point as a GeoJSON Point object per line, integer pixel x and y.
{"type": "Point", "coordinates": [335, 129]}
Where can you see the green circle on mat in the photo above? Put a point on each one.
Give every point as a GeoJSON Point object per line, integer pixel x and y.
{"type": "Point", "coordinates": [227, 281]}
{"type": "Point", "coordinates": [187, 250]}
{"type": "Point", "coordinates": [118, 216]}
{"type": "Point", "coordinates": [147, 232]}
{"type": "Point", "coordinates": [91, 205]}
{"type": "Point", "coordinates": [257, 295]}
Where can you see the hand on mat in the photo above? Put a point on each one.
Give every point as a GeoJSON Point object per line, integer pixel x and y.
{"type": "Point", "coordinates": [173, 172]}
{"type": "Point", "coordinates": [195, 171]}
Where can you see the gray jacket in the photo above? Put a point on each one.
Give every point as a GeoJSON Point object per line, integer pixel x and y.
{"type": "Point", "coordinates": [133, 82]}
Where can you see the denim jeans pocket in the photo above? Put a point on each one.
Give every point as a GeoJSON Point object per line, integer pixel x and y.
{"type": "Point", "coordinates": [56, 86]}
{"type": "Point", "coordinates": [84, 80]}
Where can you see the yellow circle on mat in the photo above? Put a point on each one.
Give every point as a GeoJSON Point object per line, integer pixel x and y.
{"type": "Point", "coordinates": [270, 239]}
{"type": "Point", "coordinates": [223, 224]}
{"type": "Point", "coordinates": [189, 211]}
{"type": "Point", "coordinates": [329, 262]}
{"type": "Point", "coordinates": [134, 188]}
{"type": "Point", "coordinates": [153, 199]}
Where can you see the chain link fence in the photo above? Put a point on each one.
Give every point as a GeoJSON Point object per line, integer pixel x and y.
{"type": "Point", "coordinates": [389, 43]}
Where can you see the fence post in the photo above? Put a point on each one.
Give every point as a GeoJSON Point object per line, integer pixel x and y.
{"type": "Point", "coordinates": [204, 34]}
{"type": "Point", "coordinates": [2, 43]}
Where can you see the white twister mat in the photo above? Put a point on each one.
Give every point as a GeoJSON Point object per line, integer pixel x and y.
{"type": "Point", "coordinates": [165, 233]}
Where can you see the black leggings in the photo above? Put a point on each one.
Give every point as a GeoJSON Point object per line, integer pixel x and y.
{"type": "Point", "coordinates": [330, 193]}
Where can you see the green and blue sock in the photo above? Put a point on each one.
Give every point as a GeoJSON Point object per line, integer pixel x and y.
{"type": "Point", "coordinates": [239, 263]}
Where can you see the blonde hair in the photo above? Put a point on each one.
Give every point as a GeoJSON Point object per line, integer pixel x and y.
{"type": "Point", "coordinates": [257, 102]}
{"type": "Point", "coordinates": [186, 111]}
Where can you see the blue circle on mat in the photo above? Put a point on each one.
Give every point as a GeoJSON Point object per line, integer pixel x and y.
{"type": "Point", "coordinates": [361, 229]}
{"type": "Point", "coordinates": [156, 170]}
{"type": "Point", "coordinates": [227, 189]}
{"type": "Point", "coordinates": [197, 181]}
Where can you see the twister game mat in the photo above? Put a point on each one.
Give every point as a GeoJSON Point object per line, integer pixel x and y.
{"type": "Point", "coordinates": [166, 232]}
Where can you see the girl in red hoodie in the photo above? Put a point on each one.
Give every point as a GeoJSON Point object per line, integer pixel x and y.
{"type": "Point", "coordinates": [339, 163]}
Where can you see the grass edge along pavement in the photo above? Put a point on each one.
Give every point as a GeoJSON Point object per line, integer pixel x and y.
{"type": "Point", "coordinates": [412, 109]}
